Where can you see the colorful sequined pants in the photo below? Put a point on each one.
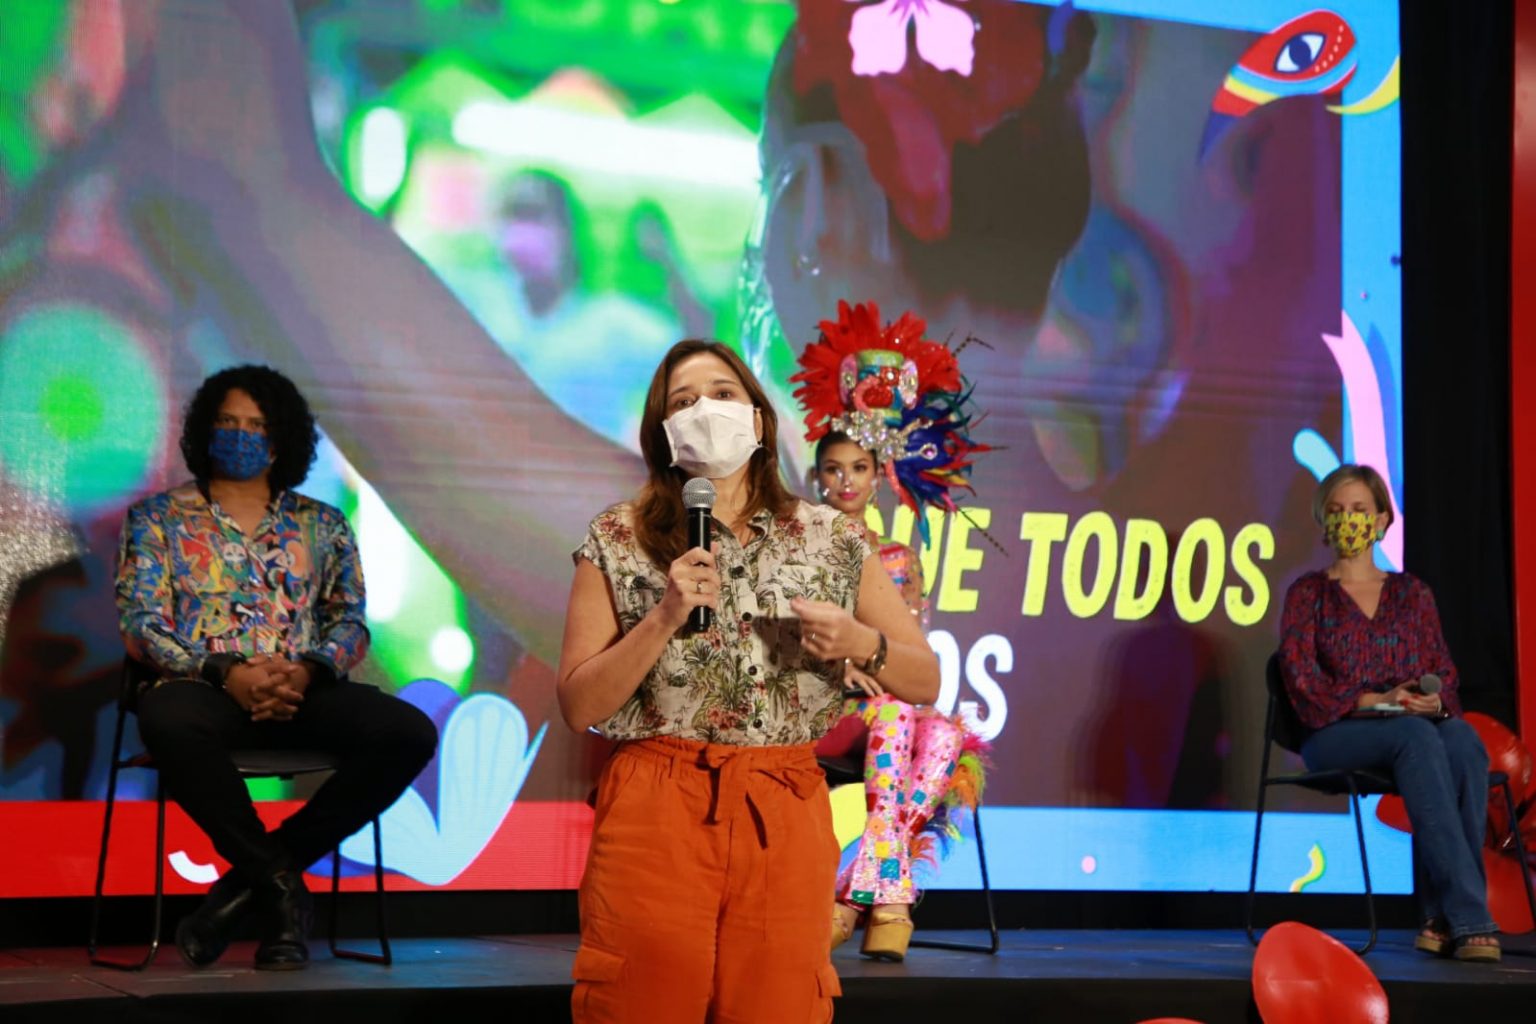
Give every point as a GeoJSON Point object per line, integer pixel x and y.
{"type": "Point", "coordinates": [909, 760]}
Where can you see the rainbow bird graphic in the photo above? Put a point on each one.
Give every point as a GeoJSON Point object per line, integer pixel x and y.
{"type": "Point", "coordinates": [1310, 55]}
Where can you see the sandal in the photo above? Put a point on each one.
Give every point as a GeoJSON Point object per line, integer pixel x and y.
{"type": "Point", "coordinates": [1478, 948]}
{"type": "Point", "coordinates": [888, 933]}
{"type": "Point", "coordinates": [845, 918]}
{"type": "Point", "coordinates": [1434, 938]}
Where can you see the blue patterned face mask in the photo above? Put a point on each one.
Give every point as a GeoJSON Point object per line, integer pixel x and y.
{"type": "Point", "coordinates": [239, 454]}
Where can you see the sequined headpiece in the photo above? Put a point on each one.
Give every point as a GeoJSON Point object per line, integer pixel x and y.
{"type": "Point", "coordinates": [896, 394]}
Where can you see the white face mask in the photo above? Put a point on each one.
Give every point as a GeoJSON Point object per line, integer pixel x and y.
{"type": "Point", "coordinates": [711, 438]}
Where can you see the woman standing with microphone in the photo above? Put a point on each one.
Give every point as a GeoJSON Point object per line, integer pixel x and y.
{"type": "Point", "coordinates": [712, 850]}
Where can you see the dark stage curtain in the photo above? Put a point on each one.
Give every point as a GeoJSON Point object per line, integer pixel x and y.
{"type": "Point", "coordinates": [1458, 73]}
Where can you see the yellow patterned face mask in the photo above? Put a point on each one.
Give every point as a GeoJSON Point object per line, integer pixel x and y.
{"type": "Point", "coordinates": [1349, 533]}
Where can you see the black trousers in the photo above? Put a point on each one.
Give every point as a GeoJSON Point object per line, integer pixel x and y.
{"type": "Point", "coordinates": [192, 730]}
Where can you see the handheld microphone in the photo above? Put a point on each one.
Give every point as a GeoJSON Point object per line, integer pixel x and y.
{"type": "Point", "coordinates": [699, 502]}
{"type": "Point", "coordinates": [1429, 684]}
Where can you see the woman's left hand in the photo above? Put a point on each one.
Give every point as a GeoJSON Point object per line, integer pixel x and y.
{"type": "Point", "coordinates": [857, 679]}
{"type": "Point", "coordinates": [829, 633]}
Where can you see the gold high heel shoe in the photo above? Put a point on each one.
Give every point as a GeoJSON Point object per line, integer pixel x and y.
{"type": "Point", "coordinates": [844, 920]}
{"type": "Point", "coordinates": [888, 933]}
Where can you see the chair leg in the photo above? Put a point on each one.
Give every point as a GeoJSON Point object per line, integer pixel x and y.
{"type": "Point", "coordinates": [378, 893]}
{"type": "Point", "coordinates": [385, 957]}
{"type": "Point", "coordinates": [1365, 868]}
{"type": "Point", "coordinates": [159, 897]}
{"type": "Point", "coordinates": [995, 941]}
{"type": "Point", "coordinates": [991, 947]}
{"type": "Point", "coordinates": [101, 864]}
{"type": "Point", "coordinates": [1514, 828]}
{"type": "Point", "coordinates": [335, 898]}
{"type": "Point", "coordinates": [101, 875]}
{"type": "Point", "coordinates": [1253, 866]}
{"type": "Point", "coordinates": [154, 945]}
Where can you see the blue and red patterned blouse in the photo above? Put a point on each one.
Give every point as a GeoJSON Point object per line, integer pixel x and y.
{"type": "Point", "coordinates": [191, 584]}
{"type": "Point", "coordinates": [1330, 653]}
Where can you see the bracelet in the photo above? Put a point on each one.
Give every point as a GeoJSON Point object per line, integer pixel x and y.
{"type": "Point", "coordinates": [876, 661]}
{"type": "Point", "coordinates": [215, 668]}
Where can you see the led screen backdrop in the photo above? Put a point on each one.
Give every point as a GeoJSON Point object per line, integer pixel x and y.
{"type": "Point", "coordinates": [469, 231]}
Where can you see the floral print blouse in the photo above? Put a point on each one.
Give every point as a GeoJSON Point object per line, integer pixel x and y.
{"type": "Point", "coordinates": [1330, 653]}
{"type": "Point", "coordinates": [191, 584]}
{"type": "Point", "coordinates": [745, 680]}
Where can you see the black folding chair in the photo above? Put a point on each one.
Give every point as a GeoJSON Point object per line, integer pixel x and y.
{"type": "Point", "coordinates": [843, 770]}
{"type": "Point", "coordinates": [1283, 727]}
{"type": "Point", "coordinates": [252, 764]}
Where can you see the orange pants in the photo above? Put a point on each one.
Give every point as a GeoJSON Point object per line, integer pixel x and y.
{"type": "Point", "coordinates": [708, 889]}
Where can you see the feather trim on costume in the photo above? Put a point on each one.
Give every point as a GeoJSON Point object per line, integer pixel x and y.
{"type": "Point", "coordinates": [933, 841]}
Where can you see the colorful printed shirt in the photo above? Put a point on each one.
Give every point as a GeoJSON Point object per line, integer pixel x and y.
{"type": "Point", "coordinates": [1330, 653]}
{"type": "Point", "coordinates": [745, 680]}
{"type": "Point", "coordinates": [191, 584]}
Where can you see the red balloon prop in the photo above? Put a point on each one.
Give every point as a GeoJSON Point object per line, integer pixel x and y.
{"type": "Point", "coordinates": [1506, 843]}
{"type": "Point", "coordinates": [1528, 830]}
{"type": "Point", "coordinates": [1302, 976]}
{"type": "Point", "coordinates": [1506, 893]}
{"type": "Point", "coordinates": [1508, 755]}
{"type": "Point", "coordinates": [1392, 812]}
{"type": "Point", "coordinates": [1505, 752]}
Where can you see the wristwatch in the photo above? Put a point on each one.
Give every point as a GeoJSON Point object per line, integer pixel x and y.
{"type": "Point", "coordinates": [215, 668]}
{"type": "Point", "coordinates": [876, 661]}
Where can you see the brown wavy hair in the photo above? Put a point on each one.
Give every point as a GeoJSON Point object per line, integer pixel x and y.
{"type": "Point", "coordinates": [660, 526]}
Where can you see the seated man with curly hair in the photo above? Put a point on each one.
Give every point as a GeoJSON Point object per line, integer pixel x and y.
{"type": "Point", "coordinates": [245, 599]}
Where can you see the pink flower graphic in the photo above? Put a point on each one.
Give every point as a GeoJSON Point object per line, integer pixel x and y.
{"type": "Point", "coordinates": [878, 36]}
{"type": "Point", "coordinates": [910, 113]}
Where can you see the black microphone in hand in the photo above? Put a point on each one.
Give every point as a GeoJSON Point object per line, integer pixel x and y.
{"type": "Point", "coordinates": [699, 503]}
{"type": "Point", "coordinates": [1429, 686]}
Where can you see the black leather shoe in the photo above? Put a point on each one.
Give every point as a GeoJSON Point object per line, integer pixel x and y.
{"type": "Point", "coordinates": [287, 911]}
{"type": "Point", "coordinates": [203, 935]}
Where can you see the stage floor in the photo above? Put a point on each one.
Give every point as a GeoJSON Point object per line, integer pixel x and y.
{"type": "Point", "coordinates": [1078, 977]}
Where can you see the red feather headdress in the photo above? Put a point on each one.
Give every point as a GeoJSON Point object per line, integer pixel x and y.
{"type": "Point", "coordinates": [895, 393]}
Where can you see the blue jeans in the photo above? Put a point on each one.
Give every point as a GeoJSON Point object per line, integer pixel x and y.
{"type": "Point", "coordinates": [1441, 769]}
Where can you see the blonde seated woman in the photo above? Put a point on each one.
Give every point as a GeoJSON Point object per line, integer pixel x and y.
{"type": "Point", "coordinates": [919, 765]}
{"type": "Point", "coordinates": [1354, 643]}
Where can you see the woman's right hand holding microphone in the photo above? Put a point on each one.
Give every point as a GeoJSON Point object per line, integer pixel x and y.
{"type": "Point", "coordinates": [692, 582]}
